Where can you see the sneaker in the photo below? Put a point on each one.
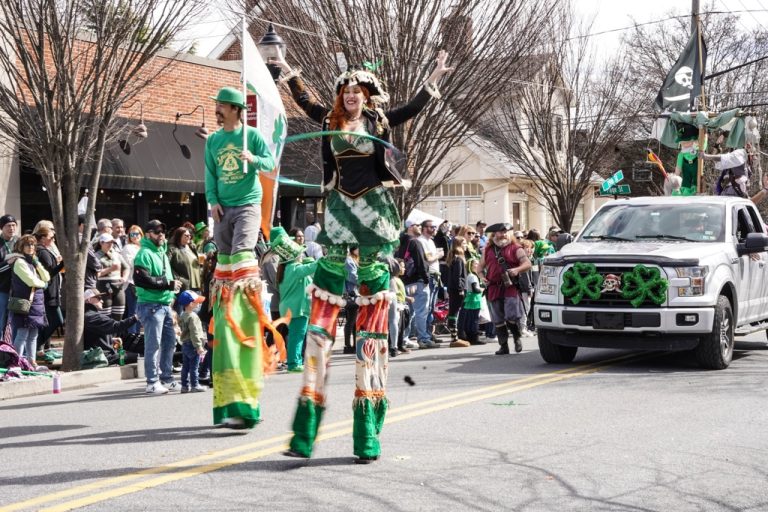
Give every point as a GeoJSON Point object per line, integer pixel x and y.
{"type": "Point", "coordinates": [197, 389]}
{"type": "Point", "coordinates": [281, 366]}
{"type": "Point", "coordinates": [176, 369]}
{"type": "Point", "coordinates": [393, 352]}
{"type": "Point", "coordinates": [173, 385]}
{"type": "Point", "coordinates": [459, 344]}
{"type": "Point", "coordinates": [411, 344]}
{"type": "Point", "coordinates": [156, 389]}
{"type": "Point", "coordinates": [184, 390]}
{"type": "Point", "coordinates": [426, 344]}
{"type": "Point", "coordinates": [297, 369]}
{"type": "Point", "coordinates": [404, 350]}
{"type": "Point", "coordinates": [518, 345]}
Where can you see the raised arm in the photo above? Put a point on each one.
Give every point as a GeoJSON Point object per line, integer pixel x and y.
{"type": "Point", "coordinates": [300, 95]}
{"type": "Point", "coordinates": [405, 112]}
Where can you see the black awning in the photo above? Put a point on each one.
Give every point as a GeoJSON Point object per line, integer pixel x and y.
{"type": "Point", "coordinates": [157, 163]}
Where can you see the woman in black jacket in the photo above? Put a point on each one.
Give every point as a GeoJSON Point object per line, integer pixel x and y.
{"type": "Point", "coordinates": [52, 295]}
{"type": "Point", "coordinates": [457, 278]}
{"type": "Point", "coordinates": [358, 164]}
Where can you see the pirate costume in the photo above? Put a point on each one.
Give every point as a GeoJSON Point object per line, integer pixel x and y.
{"type": "Point", "coordinates": [360, 211]}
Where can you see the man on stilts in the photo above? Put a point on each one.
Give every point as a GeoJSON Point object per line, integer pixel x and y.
{"type": "Point", "coordinates": [233, 160]}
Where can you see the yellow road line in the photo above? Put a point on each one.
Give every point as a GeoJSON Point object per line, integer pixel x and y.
{"type": "Point", "coordinates": [186, 469]}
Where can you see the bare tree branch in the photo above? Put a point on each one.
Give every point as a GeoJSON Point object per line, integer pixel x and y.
{"type": "Point", "coordinates": [487, 42]}
{"type": "Point", "coordinates": [561, 127]}
{"type": "Point", "coordinates": [71, 65]}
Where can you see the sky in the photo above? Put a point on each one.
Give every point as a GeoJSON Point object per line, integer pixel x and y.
{"type": "Point", "coordinates": [609, 15]}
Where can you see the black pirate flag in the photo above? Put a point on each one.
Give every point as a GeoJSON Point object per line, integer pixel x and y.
{"type": "Point", "coordinates": [683, 82]}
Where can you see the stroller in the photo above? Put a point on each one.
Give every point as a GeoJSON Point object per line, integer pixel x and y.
{"type": "Point", "coordinates": [440, 317]}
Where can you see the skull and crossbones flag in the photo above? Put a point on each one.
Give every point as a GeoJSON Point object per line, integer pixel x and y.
{"type": "Point", "coordinates": [683, 82]}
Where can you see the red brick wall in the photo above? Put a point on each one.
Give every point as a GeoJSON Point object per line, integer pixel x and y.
{"type": "Point", "coordinates": [178, 88]}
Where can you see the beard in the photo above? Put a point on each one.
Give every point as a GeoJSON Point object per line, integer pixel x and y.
{"type": "Point", "coordinates": [501, 243]}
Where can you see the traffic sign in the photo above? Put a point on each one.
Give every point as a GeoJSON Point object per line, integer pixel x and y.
{"type": "Point", "coordinates": [613, 180]}
{"type": "Point", "coordinates": [618, 190]}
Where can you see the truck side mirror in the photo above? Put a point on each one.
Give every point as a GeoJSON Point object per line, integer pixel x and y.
{"type": "Point", "coordinates": [755, 242]}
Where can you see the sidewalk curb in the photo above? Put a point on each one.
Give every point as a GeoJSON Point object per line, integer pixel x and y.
{"type": "Point", "coordinates": [69, 380]}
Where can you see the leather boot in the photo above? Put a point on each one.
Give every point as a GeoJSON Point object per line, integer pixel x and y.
{"type": "Point", "coordinates": [503, 336]}
{"type": "Point", "coordinates": [475, 339]}
{"type": "Point", "coordinates": [515, 330]}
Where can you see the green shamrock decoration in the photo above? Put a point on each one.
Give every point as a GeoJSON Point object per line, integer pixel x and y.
{"type": "Point", "coordinates": [644, 283]}
{"type": "Point", "coordinates": [373, 66]}
{"type": "Point", "coordinates": [580, 280]}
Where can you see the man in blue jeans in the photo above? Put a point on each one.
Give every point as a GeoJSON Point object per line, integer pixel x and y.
{"type": "Point", "coordinates": [155, 291]}
{"type": "Point", "coordinates": [8, 239]}
{"type": "Point", "coordinates": [418, 284]}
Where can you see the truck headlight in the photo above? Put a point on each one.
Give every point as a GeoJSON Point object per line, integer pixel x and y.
{"type": "Point", "coordinates": [547, 280]}
{"type": "Point", "coordinates": [697, 279]}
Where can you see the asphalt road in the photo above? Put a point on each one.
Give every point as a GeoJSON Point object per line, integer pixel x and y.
{"type": "Point", "coordinates": [614, 431]}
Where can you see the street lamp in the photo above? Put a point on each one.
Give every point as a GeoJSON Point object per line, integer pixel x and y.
{"type": "Point", "coordinates": [201, 132]}
{"type": "Point", "coordinates": [271, 46]}
{"type": "Point", "coordinates": [140, 130]}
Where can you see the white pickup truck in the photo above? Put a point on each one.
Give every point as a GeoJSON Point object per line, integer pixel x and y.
{"type": "Point", "coordinates": [657, 273]}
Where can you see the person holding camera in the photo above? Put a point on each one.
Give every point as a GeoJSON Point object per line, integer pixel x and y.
{"type": "Point", "coordinates": [155, 291]}
{"type": "Point", "coordinates": [503, 261]}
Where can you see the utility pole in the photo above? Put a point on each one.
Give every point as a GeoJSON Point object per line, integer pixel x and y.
{"type": "Point", "coordinates": [696, 32]}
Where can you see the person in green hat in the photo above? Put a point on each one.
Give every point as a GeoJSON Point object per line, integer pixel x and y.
{"type": "Point", "coordinates": [294, 275]}
{"type": "Point", "coordinates": [233, 190]}
{"type": "Point", "coordinates": [687, 164]}
{"type": "Point", "coordinates": [203, 239]}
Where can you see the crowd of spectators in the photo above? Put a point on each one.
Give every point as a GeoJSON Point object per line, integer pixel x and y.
{"type": "Point", "coordinates": [434, 277]}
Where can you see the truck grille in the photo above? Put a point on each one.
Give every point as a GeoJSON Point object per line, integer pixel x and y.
{"type": "Point", "coordinates": [611, 298]}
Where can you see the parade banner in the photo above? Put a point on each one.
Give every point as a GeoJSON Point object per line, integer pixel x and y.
{"type": "Point", "coordinates": [269, 117]}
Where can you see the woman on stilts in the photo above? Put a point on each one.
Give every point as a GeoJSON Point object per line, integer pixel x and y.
{"type": "Point", "coordinates": [359, 212]}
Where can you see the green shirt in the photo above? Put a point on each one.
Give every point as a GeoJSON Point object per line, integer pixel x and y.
{"type": "Point", "coordinates": [472, 300]}
{"type": "Point", "coordinates": [225, 182]}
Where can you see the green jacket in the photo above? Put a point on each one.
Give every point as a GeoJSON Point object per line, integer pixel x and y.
{"type": "Point", "coordinates": [293, 288]}
{"type": "Point", "coordinates": [152, 274]}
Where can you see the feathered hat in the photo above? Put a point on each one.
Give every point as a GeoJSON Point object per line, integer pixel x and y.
{"type": "Point", "coordinates": [356, 76]}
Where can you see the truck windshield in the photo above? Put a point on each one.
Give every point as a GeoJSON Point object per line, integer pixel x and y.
{"type": "Point", "coordinates": [672, 222]}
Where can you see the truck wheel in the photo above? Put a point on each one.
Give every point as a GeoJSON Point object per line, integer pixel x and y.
{"type": "Point", "coordinates": [552, 353]}
{"type": "Point", "coordinates": [715, 350]}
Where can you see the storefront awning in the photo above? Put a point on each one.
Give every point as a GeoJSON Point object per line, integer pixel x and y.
{"type": "Point", "coordinates": [157, 162]}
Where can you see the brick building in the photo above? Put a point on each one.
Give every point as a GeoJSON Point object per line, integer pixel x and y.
{"type": "Point", "coordinates": [162, 176]}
